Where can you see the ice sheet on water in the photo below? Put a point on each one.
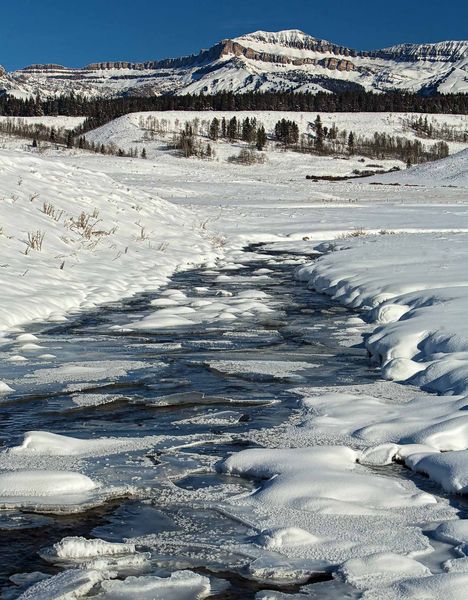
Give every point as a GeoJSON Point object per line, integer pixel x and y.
{"type": "Point", "coordinates": [219, 418]}
{"type": "Point", "coordinates": [87, 371]}
{"type": "Point", "coordinates": [86, 400]}
{"type": "Point", "coordinates": [45, 443]}
{"type": "Point", "coordinates": [281, 570]}
{"type": "Point", "coordinates": [262, 369]}
{"type": "Point", "coordinates": [198, 399]}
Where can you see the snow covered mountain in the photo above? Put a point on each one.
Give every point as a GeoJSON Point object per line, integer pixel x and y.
{"type": "Point", "coordinates": [261, 61]}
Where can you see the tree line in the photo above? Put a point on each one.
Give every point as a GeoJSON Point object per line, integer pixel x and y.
{"type": "Point", "coordinates": [42, 134]}
{"type": "Point", "coordinates": [102, 110]}
{"type": "Point", "coordinates": [318, 139]}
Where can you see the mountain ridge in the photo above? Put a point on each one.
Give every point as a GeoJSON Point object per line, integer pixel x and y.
{"type": "Point", "coordinates": [287, 60]}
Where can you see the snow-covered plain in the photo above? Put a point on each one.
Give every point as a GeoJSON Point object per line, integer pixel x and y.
{"type": "Point", "coordinates": [324, 497]}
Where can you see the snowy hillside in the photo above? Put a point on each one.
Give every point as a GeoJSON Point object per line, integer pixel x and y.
{"type": "Point", "coordinates": [452, 170]}
{"type": "Point", "coordinates": [153, 130]}
{"type": "Point", "coordinates": [71, 238]}
{"type": "Point", "coordinates": [260, 61]}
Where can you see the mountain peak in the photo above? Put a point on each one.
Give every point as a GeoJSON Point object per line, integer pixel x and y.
{"type": "Point", "coordinates": [284, 37]}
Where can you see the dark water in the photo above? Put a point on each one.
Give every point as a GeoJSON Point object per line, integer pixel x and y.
{"type": "Point", "coordinates": [173, 363]}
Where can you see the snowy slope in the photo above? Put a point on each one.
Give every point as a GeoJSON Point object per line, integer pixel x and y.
{"type": "Point", "coordinates": [100, 241]}
{"type": "Point", "coordinates": [260, 61]}
{"type": "Point", "coordinates": [452, 170]}
{"type": "Point", "coordinates": [133, 129]}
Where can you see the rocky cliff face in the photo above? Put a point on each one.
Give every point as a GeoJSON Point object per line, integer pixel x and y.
{"type": "Point", "coordinates": [440, 52]}
{"type": "Point", "coordinates": [259, 61]}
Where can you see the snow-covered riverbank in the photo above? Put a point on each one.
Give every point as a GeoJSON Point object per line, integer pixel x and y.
{"type": "Point", "coordinates": [72, 238]}
{"type": "Point", "coordinates": [414, 290]}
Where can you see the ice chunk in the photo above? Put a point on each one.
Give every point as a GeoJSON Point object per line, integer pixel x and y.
{"type": "Point", "coordinates": [5, 388]}
{"type": "Point", "coordinates": [82, 548]}
{"type": "Point", "coordinates": [287, 536]}
{"type": "Point", "coordinates": [67, 585]}
{"type": "Point", "coordinates": [181, 585]}
{"type": "Point", "coordinates": [43, 483]}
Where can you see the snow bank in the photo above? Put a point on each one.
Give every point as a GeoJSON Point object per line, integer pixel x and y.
{"type": "Point", "coordinates": [339, 485]}
{"type": "Point", "coordinates": [415, 289]}
{"type": "Point", "coordinates": [72, 238]}
{"type": "Point", "coordinates": [435, 587]}
{"type": "Point", "coordinates": [375, 570]}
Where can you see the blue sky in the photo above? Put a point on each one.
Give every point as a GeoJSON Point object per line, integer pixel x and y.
{"type": "Point", "coordinates": [77, 32]}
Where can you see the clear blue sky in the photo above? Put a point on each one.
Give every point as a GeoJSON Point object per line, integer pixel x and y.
{"type": "Point", "coordinates": [77, 32]}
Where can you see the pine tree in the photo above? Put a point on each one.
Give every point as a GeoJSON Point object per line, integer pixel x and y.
{"type": "Point", "coordinates": [351, 143]}
{"type": "Point", "coordinates": [34, 143]}
{"type": "Point", "coordinates": [70, 140]}
{"type": "Point", "coordinates": [214, 129]}
{"type": "Point", "coordinates": [261, 138]}
{"type": "Point", "coordinates": [232, 129]}
{"type": "Point", "coordinates": [143, 153]}
{"type": "Point", "coordinates": [318, 134]}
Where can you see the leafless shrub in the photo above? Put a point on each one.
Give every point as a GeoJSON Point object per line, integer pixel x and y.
{"type": "Point", "coordinates": [33, 197]}
{"type": "Point", "coordinates": [50, 210]}
{"type": "Point", "coordinates": [86, 225]}
{"type": "Point", "coordinates": [357, 232]}
{"type": "Point", "coordinates": [217, 241]}
{"type": "Point", "coordinates": [35, 240]}
{"type": "Point", "coordinates": [247, 157]}
{"type": "Point", "coordinates": [143, 233]}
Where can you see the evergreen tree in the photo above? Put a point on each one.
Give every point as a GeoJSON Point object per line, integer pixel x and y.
{"type": "Point", "coordinates": [214, 129]}
{"type": "Point", "coordinates": [143, 153]}
{"type": "Point", "coordinates": [351, 143]}
{"type": "Point", "coordinates": [318, 134]}
{"type": "Point", "coordinates": [261, 138]}
{"type": "Point", "coordinates": [70, 139]}
{"type": "Point", "coordinates": [231, 131]}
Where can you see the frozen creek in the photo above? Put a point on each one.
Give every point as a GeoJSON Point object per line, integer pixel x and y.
{"type": "Point", "coordinates": [127, 485]}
